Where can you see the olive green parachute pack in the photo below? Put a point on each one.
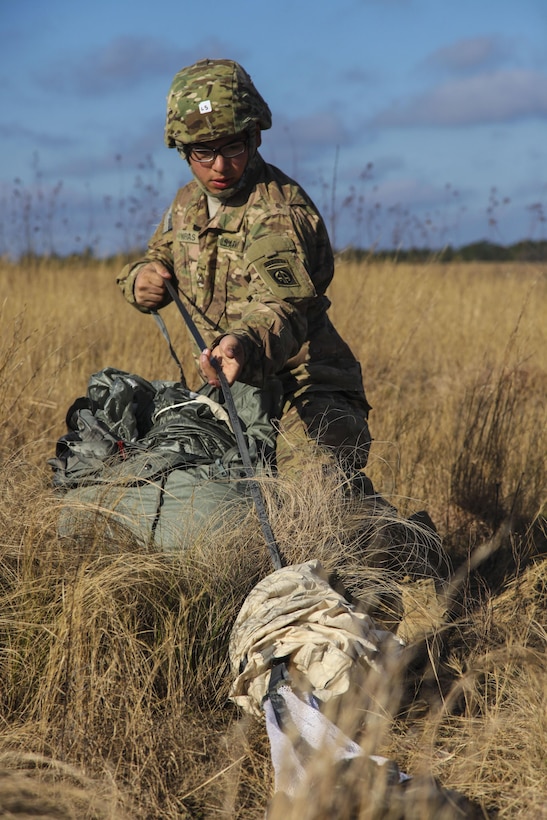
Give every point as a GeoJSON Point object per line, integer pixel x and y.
{"type": "Point", "coordinates": [158, 460]}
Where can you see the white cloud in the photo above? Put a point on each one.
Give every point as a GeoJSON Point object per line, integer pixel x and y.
{"type": "Point", "coordinates": [122, 64]}
{"type": "Point", "coordinates": [18, 133]}
{"type": "Point", "coordinates": [408, 191]}
{"type": "Point", "coordinates": [494, 97]}
{"type": "Point", "coordinates": [307, 135]}
{"type": "Point", "coordinates": [470, 53]}
{"type": "Point", "coordinates": [323, 128]}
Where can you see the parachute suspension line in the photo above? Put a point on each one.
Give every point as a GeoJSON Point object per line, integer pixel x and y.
{"type": "Point", "coordinates": [238, 431]}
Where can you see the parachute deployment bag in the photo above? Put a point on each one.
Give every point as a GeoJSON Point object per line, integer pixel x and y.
{"type": "Point", "coordinates": [157, 459]}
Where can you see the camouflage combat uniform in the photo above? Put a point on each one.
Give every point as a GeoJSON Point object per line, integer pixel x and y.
{"type": "Point", "coordinates": [259, 269]}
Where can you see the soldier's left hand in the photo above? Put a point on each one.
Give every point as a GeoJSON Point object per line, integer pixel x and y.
{"type": "Point", "coordinates": [231, 356]}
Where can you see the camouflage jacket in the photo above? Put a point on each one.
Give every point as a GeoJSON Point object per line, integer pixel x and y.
{"type": "Point", "coordinates": [259, 268]}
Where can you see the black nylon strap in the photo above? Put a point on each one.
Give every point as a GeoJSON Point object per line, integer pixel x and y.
{"type": "Point", "coordinates": [165, 334]}
{"type": "Point", "coordinates": [238, 432]}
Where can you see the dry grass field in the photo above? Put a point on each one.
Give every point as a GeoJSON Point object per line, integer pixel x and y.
{"type": "Point", "coordinates": [114, 675]}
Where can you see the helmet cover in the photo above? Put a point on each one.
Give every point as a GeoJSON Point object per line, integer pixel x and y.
{"type": "Point", "coordinates": [212, 99]}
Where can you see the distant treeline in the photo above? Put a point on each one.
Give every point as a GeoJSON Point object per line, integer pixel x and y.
{"type": "Point", "coordinates": [483, 251]}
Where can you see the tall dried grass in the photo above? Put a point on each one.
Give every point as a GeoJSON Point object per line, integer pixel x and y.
{"type": "Point", "coordinates": [114, 676]}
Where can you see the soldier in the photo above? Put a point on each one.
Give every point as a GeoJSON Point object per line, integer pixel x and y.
{"type": "Point", "coordinates": [252, 260]}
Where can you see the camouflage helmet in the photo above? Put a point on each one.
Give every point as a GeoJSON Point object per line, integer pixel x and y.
{"type": "Point", "coordinates": [212, 99]}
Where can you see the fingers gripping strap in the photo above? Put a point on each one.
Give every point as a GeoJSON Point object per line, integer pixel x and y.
{"type": "Point", "coordinates": [238, 432]}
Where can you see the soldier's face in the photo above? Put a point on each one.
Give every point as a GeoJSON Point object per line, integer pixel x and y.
{"type": "Point", "coordinates": [222, 172]}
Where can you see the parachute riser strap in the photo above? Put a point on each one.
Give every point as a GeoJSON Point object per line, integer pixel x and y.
{"type": "Point", "coordinates": [165, 333]}
{"type": "Point", "coordinates": [238, 432]}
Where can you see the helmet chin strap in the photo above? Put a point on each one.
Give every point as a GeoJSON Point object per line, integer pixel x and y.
{"type": "Point", "coordinates": [248, 173]}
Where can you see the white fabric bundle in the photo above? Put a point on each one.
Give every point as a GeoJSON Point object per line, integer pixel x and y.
{"type": "Point", "coordinates": [294, 613]}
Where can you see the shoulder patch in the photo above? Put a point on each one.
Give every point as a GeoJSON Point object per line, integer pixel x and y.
{"type": "Point", "coordinates": [280, 272]}
{"type": "Point", "coordinates": [276, 261]}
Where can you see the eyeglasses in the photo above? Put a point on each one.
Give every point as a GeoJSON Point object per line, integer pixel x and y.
{"type": "Point", "coordinates": [205, 155]}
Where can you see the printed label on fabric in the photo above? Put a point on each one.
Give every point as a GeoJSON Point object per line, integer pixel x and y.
{"type": "Point", "coordinates": [230, 243]}
{"type": "Point", "coordinates": [280, 272]}
{"type": "Point", "coordinates": [190, 237]}
{"type": "Point", "coordinates": [205, 107]}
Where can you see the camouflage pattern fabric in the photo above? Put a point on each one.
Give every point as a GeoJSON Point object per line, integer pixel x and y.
{"type": "Point", "coordinates": [260, 269]}
{"type": "Point", "coordinates": [335, 420]}
{"type": "Point", "coordinates": [295, 614]}
{"type": "Point", "coordinates": [212, 99]}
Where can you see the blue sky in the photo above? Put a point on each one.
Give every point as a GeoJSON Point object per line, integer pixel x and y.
{"type": "Point", "coordinates": [407, 121]}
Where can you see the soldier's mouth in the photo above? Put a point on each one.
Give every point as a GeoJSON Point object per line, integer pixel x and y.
{"type": "Point", "coordinates": [220, 184]}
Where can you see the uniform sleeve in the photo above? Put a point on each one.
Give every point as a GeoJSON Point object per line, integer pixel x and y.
{"type": "Point", "coordinates": [159, 250]}
{"type": "Point", "coordinates": [289, 264]}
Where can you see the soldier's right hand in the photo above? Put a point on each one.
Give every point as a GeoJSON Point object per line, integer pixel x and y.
{"type": "Point", "coordinates": [149, 288]}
